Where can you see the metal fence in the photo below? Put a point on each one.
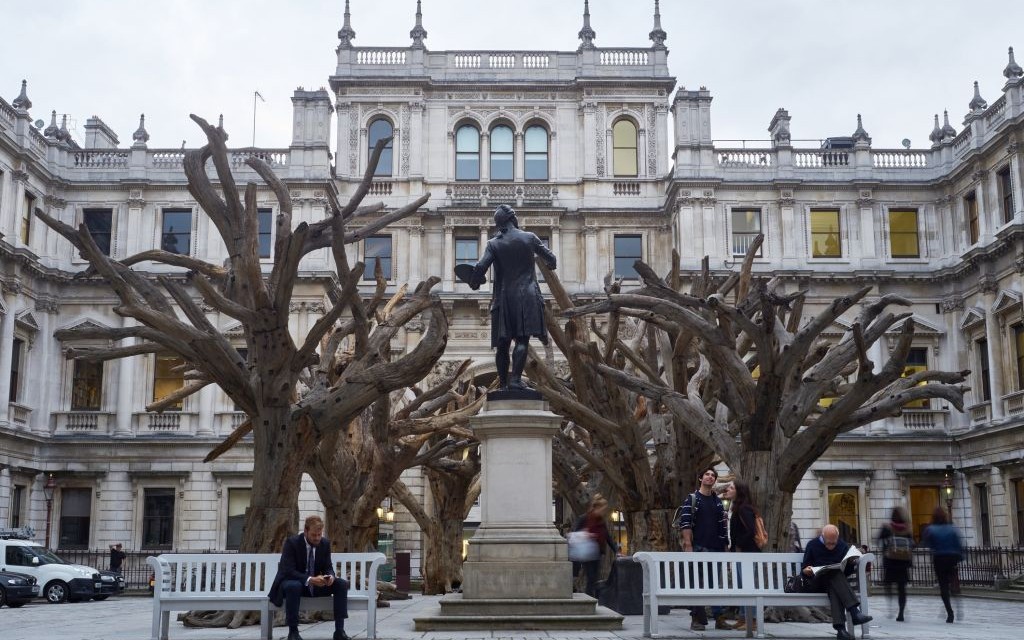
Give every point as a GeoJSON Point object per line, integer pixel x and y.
{"type": "Point", "coordinates": [134, 568]}
{"type": "Point", "coordinates": [981, 567]}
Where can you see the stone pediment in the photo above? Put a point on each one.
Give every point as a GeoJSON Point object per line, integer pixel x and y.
{"type": "Point", "coordinates": [1006, 300]}
{"type": "Point", "coordinates": [973, 316]}
{"type": "Point", "coordinates": [26, 322]}
{"type": "Point", "coordinates": [235, 330]}
{"type": "Point", "coordinates": [838, 328]}
{"type": "Point", "coordinates": [922, 327]}
{"type": "Point", "coordinates": [83, 323]}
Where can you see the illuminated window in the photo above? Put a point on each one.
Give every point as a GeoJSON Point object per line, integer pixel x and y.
{"type": "Point", "coordinates": [378, 130]}
{"type": "Point", "coordinates": [923, 500]}
{"type": "Point", "coordinates": [903, 235]}
{"type": "Point", "coordinates": [917, 360]}
{"type": "Point", "coordinates": [825, 240]}
{"type": "Point", "coordinates": [624, 149]}
{"type": "Point", "coordinates": [168, 377]}
{"type": "Point", "coordinates": [238, 502]}
{"type": "Point", "coordinates": [971, 212]}
{"type": "Point", "coordinates": [844, 512]}
{"type": "Point", "coordinates": [86, 386]}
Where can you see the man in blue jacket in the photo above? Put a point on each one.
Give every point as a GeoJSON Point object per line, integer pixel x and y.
{"type": "Point", "coordinates": [828, 549]}
{"type": "Point", "coordinates": [704, 527]}
{"type": "Point", "coordinates": [306, 570]}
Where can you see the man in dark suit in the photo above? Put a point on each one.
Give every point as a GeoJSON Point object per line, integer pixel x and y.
{"type": "Point", "coordinates": [517, 306]}
{"type": "Point", "coordinates": [306, 570]}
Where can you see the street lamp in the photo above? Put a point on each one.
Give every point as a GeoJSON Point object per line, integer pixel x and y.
{"type": "Point", "coordinates": [947, 488]}
{"type": "Point", "coordinates": [51, 484]}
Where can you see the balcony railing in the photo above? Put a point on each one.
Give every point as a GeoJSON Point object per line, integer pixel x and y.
{"type": "Point", "coordinates": [741, 241]}
{"type": "Point", "coordinates": [899, 159]}
{"type": "Point", "coordinates": [924, 419]}
{"type": "Point", "coordinates": [979, 412]}
{"type": "Point", "coordinates": [480, 193]}
{"type": "Point", "coordinates": [818, 158]}
{"type": "Point", "coordinates": [101, 159]}
{"type": "Point", "coordinates": [1013, 403]}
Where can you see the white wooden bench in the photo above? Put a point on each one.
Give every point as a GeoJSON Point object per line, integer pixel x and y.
{"type": "Point", "coordinates": [241, 582]}
{"type": "Point", "coordinates": [692, 579]}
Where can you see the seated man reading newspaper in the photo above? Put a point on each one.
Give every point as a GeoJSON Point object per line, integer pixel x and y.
{"type": "Point", "coordinates": [828, 560]}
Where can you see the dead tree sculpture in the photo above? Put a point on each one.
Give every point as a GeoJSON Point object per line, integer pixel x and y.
{"type": "Point", "coordinates": [755, 398]}
{"type": "Point", "coordinates": [265, 384]}
{"type": "Point", "coordinates": [610, 425]}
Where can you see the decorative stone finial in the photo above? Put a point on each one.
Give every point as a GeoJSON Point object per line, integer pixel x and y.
{"type": "Point", "coordinates": [346, 35]}
{"type": "Point", "coordinates": [220, 126]}
{"type": "Point", "coordinates": [53, 130]}
{"type": "Point", "coordinates": [860, 135]}
{"type": "Point", "coordinates": [586, 34]}
{"type": "Point", "coordinates": [947, 129]}
{"type": "Point", "coordinates": [418, 33]}
{"type": "Point", "coordinates": [141, 136]}
{"type": "Point", "coordinates": [977, 102]}
{"type": "Point", "coordinates": [779, 127]}
{"type": "Point", "coordinates": [936, 135]}
{"type": "Point", "coordinates": [64, 135]}
{"type": "Point", "coordinates": [1012, 69]}
{"type": "Point", "coordinates": [658, 35]}
{"type": "Point", "coordinates": [22, 103]}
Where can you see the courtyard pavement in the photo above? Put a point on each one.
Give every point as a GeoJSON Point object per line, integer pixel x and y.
{"type": "Point", "coordinates": [129, 618]}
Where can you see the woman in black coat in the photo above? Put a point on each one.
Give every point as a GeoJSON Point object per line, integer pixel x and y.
{"type": "Point", "coordinates": [896, 540]}
{"type": "Point", "coordinates": [742, 527]}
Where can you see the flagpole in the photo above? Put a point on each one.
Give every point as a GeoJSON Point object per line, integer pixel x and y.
{"type": "Point", "coordinates": [254, 94]}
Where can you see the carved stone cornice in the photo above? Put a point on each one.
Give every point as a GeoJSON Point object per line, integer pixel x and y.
{"type": "Point", "coordinates": [47, 305]}
{"type": "Point", "coordinates": [12, 287]}
{"type": "Point", "coordinates": [952, 303]}
{"type": "Point", "coordinates": [54, 202]}
{"type": "Point", "coordinates": [988, 284]}
{"type": "Point", "coordinates": [1012, 148]}
{"type": "Point", "coordinates": [19, 175]}
{"type": "Point", "coordinates": [980, 174]}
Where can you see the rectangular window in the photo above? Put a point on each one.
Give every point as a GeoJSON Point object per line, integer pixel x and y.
{"type": "Point", "coordinates": [1005, 193]}
{"type": "Point", "coordinates": [176, 232]}
{"type": "Point", "coordinates": [903, 236]}
{"type": "Point", "coordinates": [377, 249]}
{"type": "Point", "coordinates": [746, 224]}
{"type": "Point", "coordinates": [1018, 346]}
{"type": "Point", "coordinates": [983, 370]}
{"type": "Point", "coordinates": [16, 358]}
{"type": "Point", "coordinates": [18, 504]}
{"type": "Point", "coordinates": [86, 386]}
{"type": "Point", "coordinates": [981, 490]}
{"type": "Point", "coordinates": [844, 512]}
{"type": "Point", "coordinates": [1018, 508]}
{"type": "Point", "coordinates": [923, 501]}
{"type": "Point", "coordinates": [917, 360]}
{"type": "Point", "coordinates": [238, 503]}
{"type": "Point", "coordinates": [157, 518]}
{"type": "Point", "coordinates": [825, 239]}
{"type": "Point", "coordinates": [168, 377]}
{"type": "Point", "coordinates": [266, 230]}
{"type": "Point", "coordinates": [100, 223]}
{"type": "Point", "coordinates": [971, 213]}
{"type": "Point", "coordinates": [467, 250]}
{"type": "Point", "coordinates": [25, 226]}
{"type": "Point", "coordinates": [75, 509]}
{"type": "Point", "coordinates": [627, 251]}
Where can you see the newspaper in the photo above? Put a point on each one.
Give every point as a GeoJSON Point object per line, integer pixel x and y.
{"type": "Point", "coordinates": [854, 552]}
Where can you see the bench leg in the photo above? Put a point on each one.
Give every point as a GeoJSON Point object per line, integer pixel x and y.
{"type": "Point", "coordinates": [155, 632]}
{"type": "Point", "coordinates": [266, 623]}
{"type": "Point", "coordinates": [165, 624]}
{"type": "Point", "coordinates": [371, 619]}
{"type": "Point", "coordinates": [760, 620]}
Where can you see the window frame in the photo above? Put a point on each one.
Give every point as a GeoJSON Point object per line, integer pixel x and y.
{"type": "Point", "coordinates": [916, 233]}
{"type": "Point", "coordinates": [509, 156]}
{"type": "Point", "coordinates": [162, 234]}
{"type": "Point", "coordinates": [387, 156]}
{"type": "Point", "coordinates": [834, 518]}
{"type": "Point", "coordinates": [984, 369]}
{"type": "Point", "coordinates": [465, 240]}
{"type": "Point", "coordinates": [635, 172]}
{"type": "Point", "coordinates": [733, 233]}
{"type": "Point", "coordinates": [157, 357]}
{"type": "Point", "coordinates": [25, 220]}
{"type": "Point", "coordinates": [471, 153]}
{"type": "Point", "coordinates": [269, 233]}
{"type": "Point", "coordinates": [17, 377]}
{"type": "Point", "coordinates": [65, 521]}
{"type": "Point", "coordinates": [86, 216]}
{"type": "Point", "coordinates": [971, 217]}
{"type": "Point", "coordinates": [838, 233]}
{"type": "Point", "coordinates": [1004, 181]}
{"type": "Point", "coordinates": [147, 520]}
{"type": "Point", "coordinates": [546, 154]}
{"type": "Point", "coordinates": [369, 268]}
{"type": "Point", "coordinates": [75, 378]}
{"type": "Point", "coordinates": [616, 257]}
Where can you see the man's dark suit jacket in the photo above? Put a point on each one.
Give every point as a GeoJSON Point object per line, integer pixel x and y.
{"type": "Point", "coordinates": [293, 564]}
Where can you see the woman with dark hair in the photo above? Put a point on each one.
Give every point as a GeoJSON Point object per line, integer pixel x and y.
{"type": "Point", "coordinates": [742, 527]}
{"type": "Point", "coordinates": [947, 551]}
{"type": "Point", "coordinates": [593, 522]}
{"type": "Point", "coordinates": [897, 540]}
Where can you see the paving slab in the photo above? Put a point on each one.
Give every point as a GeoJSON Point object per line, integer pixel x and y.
{"type": "Point", "coordinates": [130, 618]}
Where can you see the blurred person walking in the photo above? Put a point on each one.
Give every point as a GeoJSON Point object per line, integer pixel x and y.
{"type": "Point", "coordinates": [947, 551]}
{"type": "Point", "coordinates": [897, 541]}
{"type": "Point", "coordinates": [593, 523]}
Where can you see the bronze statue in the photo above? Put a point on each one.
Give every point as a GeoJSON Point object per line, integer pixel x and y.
{"type": "Point", "coordinates": [517, 307]}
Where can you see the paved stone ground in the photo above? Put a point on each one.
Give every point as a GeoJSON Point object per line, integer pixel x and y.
{"type": "Point", "coordinates": [129, 618]}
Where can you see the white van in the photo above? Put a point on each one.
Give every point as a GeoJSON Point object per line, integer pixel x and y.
{"type": "Point", "coordinates": [59, 580]}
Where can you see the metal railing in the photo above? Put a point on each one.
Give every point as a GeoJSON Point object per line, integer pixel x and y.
{"type": "Point", "coordinates": [981, 567]}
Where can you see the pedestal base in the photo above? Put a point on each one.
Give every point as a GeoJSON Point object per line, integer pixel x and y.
{"type": "Point", "coordinates": [580, 613]}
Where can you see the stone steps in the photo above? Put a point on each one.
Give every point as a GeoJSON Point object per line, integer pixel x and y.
{"type": "Point", "coordinates": [581, 612]}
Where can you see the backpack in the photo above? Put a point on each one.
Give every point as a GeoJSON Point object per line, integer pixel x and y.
{"type": "Point", "coordinates": [677, 517]}
{"type": "Point", "coordinates": [760, 533]}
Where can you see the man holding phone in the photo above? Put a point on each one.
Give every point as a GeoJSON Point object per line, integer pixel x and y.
{"type": "Point", "coordinates": [306, 570]}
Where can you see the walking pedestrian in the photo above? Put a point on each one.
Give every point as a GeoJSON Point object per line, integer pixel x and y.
{"type": "Point", "coordinates": [896, 540]}
{"type": "Point", "coordinates": [593, 522]}
{"type": "Point", "coordinates": [947, 551]}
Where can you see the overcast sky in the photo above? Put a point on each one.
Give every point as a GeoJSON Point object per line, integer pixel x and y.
{"type": "Point", "coordinates": [895, 61]}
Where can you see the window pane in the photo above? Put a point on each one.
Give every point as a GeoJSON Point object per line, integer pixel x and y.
{"type": "Point", "coordinates": [843, 512]}
{"type": "Point", "coordinates": [746, 224]}
{"type": "Point", "coordinates": [624, 134]}
{"type": "Point", "coordinates": [266, 223]}
{"type": "Point", "coordinates": [86, 386]}
{"type": "Point", "coordinates": [16, 348]}
{"type": "Point", "coordinates": [536, 140]}
{"type": "Point", "coordinates": [537, 166]}
{"type": "Point", "coordinates": [971, 211]}
{"type": "Point", "coordinates": [75, 508]}
{"type": "Point", "coordinates": [176, 236]}
{"type": "Point", "coordinates": [238, 501]}
{"type": "Point", "coordinates": [466, 250]}
{"type": "Point", "coordinates": [825, 242]}
{"type": "Point", "coordinates": [158, 518]}
{"type": "Point", "coordinates": [467, 166]}
{"type": "Point", "coordinates": [986, 387]}
{"type": "Point", "coordinates": [624, 149]}
{"type": "Point", "coordinates": [99, 222]}
{"type": "Point", "coordinates": [18, 503]}
{"type": "Point", "coordinates": [917, 360]}
{"type": "Point", "coordinates": [467, 139]}
{"type": "Point", "coordinates": [378, 130]}
{"type": "Point", "coordinates": [625, 162]}
{"type": "Point", "coordinates": [168, 378]}
{"type": "Point", "coordinates": [923, 501]}
{"type": "Point", "coordinates": [627, 251]}
{"type": "Point", "coordinates": [903, 234]}
{"type": "Point", "coordinates": [377, 248]}
{"type": "Point", "coordinates": [501, 166]}
{"type": "Point", "coordinates": [501, 139]}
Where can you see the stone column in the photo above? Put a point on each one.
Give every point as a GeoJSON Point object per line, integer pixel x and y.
{"type": "Point", "coordinates": [995, 350]}
{"type": "Point", "coordinates": [484, 229]}
{"type": "Point", "coordinates": [125, 387]}
{"type": "Point", "coordinates": [10, 293]}
{"type": "Point", "coordinates": [592, 277]}
{"type": "Point", "coordinates": [207, 395]}
{"type": "Point", "coordinates": [415, 243]}
{"type": "Point", "coordinates": [985, 222]}
{"type": "Point", "coordinates": [516, 552]}
{"type": "Point", "coordinates": [485, 156]}
{"type": "Point", "coordinates": [518, 157]}
{"type": "Point", "coordinates": [448, 259]}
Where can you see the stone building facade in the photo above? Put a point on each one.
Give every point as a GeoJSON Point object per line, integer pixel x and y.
{"type": "Point", "coordinates": [608, 161]}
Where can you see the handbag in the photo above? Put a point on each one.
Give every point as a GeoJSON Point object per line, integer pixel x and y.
{"type": "Point", "coordinates": [797, 583]}
{"type": "Point", "coordinates": [899, 548]}
{"type": "Point", "coordinates": [582, 547]}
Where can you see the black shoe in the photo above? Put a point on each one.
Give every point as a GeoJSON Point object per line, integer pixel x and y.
{"type": "Point", "coordinates": [949, 617]}
{"type": "Point", "coordinates": [859, 618]}
{"type": "Point", "coordinates": [843, 634]}
{"type": "Point", "coordinates": [341, 635]}
{"type": "Point", "coordinates": [293, 634]}
{"type": "Point", "coordinates": [899, 618]}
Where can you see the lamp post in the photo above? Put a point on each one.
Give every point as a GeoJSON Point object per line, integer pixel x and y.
{"type": "Point", "coordinates": [51, 484]}
{"type": "Point", "coordinates": [947, 488]}
{"type": "Point", "coordinates": [618, 518]}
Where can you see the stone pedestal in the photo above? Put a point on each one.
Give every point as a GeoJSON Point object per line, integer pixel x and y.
{"type": "Point", "coordinates": [517, 574]}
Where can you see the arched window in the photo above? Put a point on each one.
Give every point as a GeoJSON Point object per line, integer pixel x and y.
{"type": "Point", "coordinates": [501, 153]}
{"type": "Point", "coordinates": [624, 149]}
{"type": "Point", "coordinates": [536, 153]}
{"type": "Point", "coordinates": [467, 153]}
{"type": "Point", "coordinates": [379, 129]}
